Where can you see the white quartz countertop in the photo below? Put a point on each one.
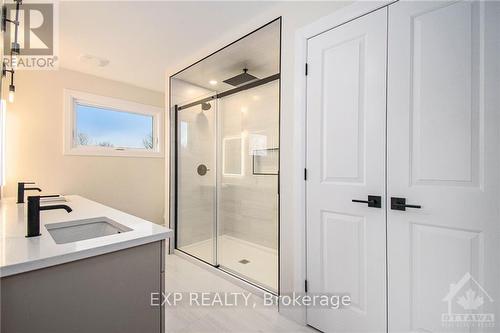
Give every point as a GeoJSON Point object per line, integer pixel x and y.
{"type": "Point", "coordinates": [19, 254]}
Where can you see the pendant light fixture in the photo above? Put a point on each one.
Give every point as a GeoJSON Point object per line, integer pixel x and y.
{"type": "Point", "coordinates": [15, 47]}
{"type": "Point", "coordinates": [12, 87]}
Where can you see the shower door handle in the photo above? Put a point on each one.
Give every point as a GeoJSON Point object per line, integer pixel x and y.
{"type": "Point", "coordinates": [374, 201]}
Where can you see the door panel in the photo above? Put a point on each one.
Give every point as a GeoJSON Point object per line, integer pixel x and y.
{"type": "Point", "coordinates": [343, 138]}
{"type": "Point", "coordinates": [247, 193]}
{"type": "Point", "coordinates": [443, 112]}
{"type": "Point", "coordinates": [196, 195]}
{"type": "Point", "coordinates": [345, 161]}
{"type": "Point", "coordinates": [443, 153]}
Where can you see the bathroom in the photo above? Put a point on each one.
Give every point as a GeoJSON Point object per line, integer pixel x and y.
{"type": "Point", "coordinates": [249, 166]}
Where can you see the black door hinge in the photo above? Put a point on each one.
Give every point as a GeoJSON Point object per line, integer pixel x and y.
{"type": "Point", "coordinates": [305, 174]}
{"type": "Point", "coordinates": [305, 286]}
{"type": "Point", "coordinates": [306, 69]}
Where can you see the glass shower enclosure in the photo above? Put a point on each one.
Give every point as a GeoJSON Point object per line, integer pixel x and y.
{"type": "Point", "coordinates": [225, 112]}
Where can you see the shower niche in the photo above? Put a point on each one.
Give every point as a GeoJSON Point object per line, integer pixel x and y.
{"type": "Point", "coordinates": [225, 112]}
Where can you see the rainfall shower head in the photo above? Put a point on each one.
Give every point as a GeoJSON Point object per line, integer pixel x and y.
{"type": "Point", "coordinates": [240, 79]}
{"type": "Point", "coordinates": [205, 106]}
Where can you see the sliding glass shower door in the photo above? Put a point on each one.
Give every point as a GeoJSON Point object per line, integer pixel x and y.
{"type": "Point", "coordinates": [227, 182]}
{"type": "Point", "coordinates": [196, 181]}
{"type": "Point", "coordinates": [226, 134]}
{"type": "Point", "coordinates": [248, 184]}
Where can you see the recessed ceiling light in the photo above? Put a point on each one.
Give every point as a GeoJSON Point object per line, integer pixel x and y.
{"type": "Point", "coordinates": [212, 82]}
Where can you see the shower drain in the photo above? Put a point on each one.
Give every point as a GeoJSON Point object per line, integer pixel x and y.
{"type": "Point", "coordinates": [244, 261]}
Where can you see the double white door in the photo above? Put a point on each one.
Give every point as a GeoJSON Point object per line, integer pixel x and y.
{"type": "Point", "coordinates": [403, 108]}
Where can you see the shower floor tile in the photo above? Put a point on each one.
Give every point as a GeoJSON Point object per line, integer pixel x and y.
{"type": "Point", "coordinates": [256, 263]}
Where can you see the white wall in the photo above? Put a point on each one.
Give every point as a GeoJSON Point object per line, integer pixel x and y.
{"type": "Point", "coordinates": [295, 15]}
{"type": "Point", "coordinates": [34, 150]}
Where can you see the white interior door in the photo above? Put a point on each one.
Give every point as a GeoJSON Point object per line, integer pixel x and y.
{"type": "Point", "coordinates": [443, 154]}
{"type": "Point", "coordinates": [346, 109]}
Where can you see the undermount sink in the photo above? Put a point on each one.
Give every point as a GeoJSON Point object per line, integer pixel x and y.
{"type": "Point", "coordinates": [72, 231]}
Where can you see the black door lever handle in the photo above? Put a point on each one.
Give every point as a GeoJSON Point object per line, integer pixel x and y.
{"type": "Point", "coordinates": [400, 204]}
{"type": "Point", "coordinates": [374, 201]}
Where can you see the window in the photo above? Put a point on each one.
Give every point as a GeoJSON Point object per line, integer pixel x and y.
{"type": "Point", "coordinates": [104, 126]}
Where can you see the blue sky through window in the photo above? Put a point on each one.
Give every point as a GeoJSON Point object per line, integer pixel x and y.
{"type": "Point", "coordinates": [102, 126]}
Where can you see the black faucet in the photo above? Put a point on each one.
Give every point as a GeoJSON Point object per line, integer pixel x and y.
{"type": "Point", "coordinates": [21, 189]}
{"type": "Point", "coordinates": [34, 213]}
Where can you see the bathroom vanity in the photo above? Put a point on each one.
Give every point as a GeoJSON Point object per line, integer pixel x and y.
{"type": "Point", "coordinates": [92, 270]}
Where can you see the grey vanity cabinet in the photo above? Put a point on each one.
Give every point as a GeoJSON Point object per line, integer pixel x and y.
{"type": "Point", "coordinates": [107, 293]}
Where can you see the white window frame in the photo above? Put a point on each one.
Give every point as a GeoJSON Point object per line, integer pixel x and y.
{"type": "Point", "coordinates": [72, 97]}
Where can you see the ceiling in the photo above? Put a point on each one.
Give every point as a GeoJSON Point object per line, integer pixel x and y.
{"type": "Point", "coordinates": [258, 52]}
{"type": "Point", "coordinates": [140, 40]}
